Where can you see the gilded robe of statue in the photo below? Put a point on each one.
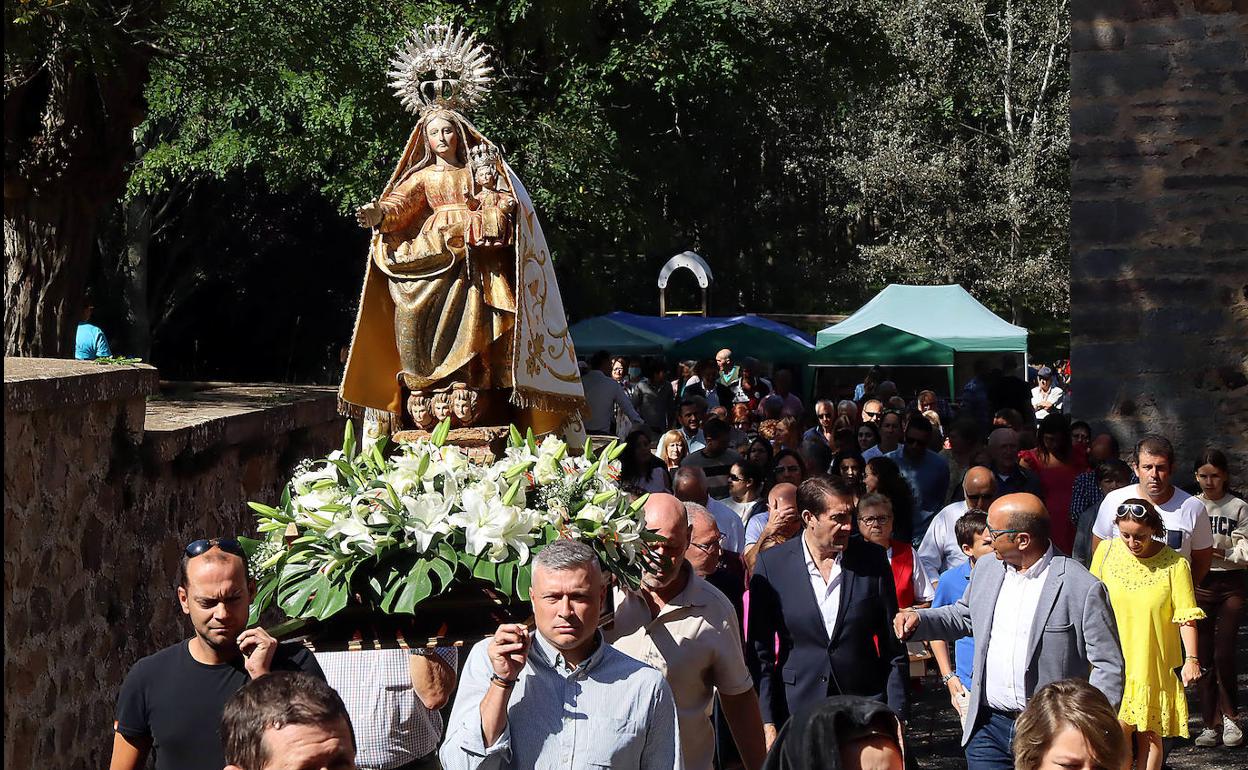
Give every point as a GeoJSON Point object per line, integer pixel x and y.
{"type": "Point", "coordinates": [424, 231]}
{"type": "Point", "coordinates": [437, 309]}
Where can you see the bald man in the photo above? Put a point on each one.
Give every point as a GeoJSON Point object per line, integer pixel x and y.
{"type": "Point", "coordinates": [1011, 477]}
{"type": "Point", "coordinates": [728, 373]}
{"type": "Point", "coordinates": [680, 624]}
{"type": "Point", "coordinates": [1036, 616]}
{"type": "Point", "coordinates": [690, 485]}
{"type": "Point", "coordinates": [774, 526]}
{"type": "Point", "coordinates": [940, 550]}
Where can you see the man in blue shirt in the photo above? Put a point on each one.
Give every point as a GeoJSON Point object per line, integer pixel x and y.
{"type": "Point", "coordinates": [90, 342]}
{"type": "Point", "coordinates": [926, 472]}
{"type": "Point", "coordinates": [972, 533]}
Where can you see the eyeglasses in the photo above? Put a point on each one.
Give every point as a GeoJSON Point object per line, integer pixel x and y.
{"type": "Point", "coordinates": [781, 469]}
{"type": "Point", "coordinates": [993, 534]}
{"type": "Point", "coordinates": [1134, 510]}
{"type": "Point", "coordinates": [715, 545]}
{"type": "Point", "coordinates": [876, 521]}
{"type": "Point", "coordinates": [227, 544]}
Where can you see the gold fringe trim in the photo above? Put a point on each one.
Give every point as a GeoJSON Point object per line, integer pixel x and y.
{"type": "Point", "coordinates": [350, 410]}
{"type": "Point", "coordinates": [547, 402]}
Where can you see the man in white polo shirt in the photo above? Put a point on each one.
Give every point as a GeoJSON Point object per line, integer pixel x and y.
{"type": "Point", "coordinates": [1187, 522]}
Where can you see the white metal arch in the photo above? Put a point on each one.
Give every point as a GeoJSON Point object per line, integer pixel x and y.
{"type": "Point", "coordinates": [694, 264]}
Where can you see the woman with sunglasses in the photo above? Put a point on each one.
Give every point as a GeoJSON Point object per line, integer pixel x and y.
{"type": "Point", "coordinates": [1056, 461]}
{"type": "Point", "coordinates": [745, 490]}
{"type": "Point", "coordinates": [788, 468]}
{"type": "Point", "coordinates": [1221, 595]}
{"type": "Point", "coordinates": [1150, 589]}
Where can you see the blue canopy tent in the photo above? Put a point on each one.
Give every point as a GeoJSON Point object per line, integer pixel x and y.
{"type": "Point", "coordinates": [602, 333]}
{"type": "Point", "coordinates": [681, 328]}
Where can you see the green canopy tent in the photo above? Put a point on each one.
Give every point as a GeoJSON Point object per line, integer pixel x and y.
{"type": "Point", "coordinates": [882, 344]}
{"type": "Point", "coordinates": [745, 341]}
{"type": "Point", "coordinates": [601, 333]}
{"type": "Point", "coordinates": [945, 315]}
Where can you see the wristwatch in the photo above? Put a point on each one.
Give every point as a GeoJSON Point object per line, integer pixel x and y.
{"type": "Point", "coordinates": [423, 652]}
{"type": "Point", "coordinates": [945, 679]}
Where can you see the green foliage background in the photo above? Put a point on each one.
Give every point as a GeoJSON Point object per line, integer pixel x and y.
{"type": "Point", "coordinates": [812, 151]}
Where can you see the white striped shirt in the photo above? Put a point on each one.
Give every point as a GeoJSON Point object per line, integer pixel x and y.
{"type": "Point", "coordinates": [392, 726]}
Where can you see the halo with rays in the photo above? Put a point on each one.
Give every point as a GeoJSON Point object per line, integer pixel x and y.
{"type": "Point", "coordinates": [439, 66]}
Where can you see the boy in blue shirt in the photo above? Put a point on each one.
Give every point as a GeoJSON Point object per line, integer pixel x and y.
{"type": "Point", "coordinates": [971, 531]}
{"type": "Point", "coordinates": [89, 340]}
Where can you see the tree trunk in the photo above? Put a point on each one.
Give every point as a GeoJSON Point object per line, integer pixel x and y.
{"type": "Point", "coordinates": [67, 138]}
{"type": "Point", "coordinates": [134, 268]}
{"type": "Point", "coordinates": [47, 256]}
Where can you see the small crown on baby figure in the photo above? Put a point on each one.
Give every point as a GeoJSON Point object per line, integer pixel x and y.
{"type": "Point", "coordinates": [483, 155]}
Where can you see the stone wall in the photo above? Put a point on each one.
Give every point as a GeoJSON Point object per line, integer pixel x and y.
{"type": "Point", "coordinates": [107, 476]}
{"type": "Point", "coordinates": [1159, 221]}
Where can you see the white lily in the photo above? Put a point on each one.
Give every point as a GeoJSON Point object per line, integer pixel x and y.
{"type": "Point", "coordinates": [426, 519]}
{"type": "Point", "coordinates": [402, 479]}
{"type": "Point", "coordinates": [454, 460]}
{"type": "Point", "coordinates": [305, 482]}
{"type": "Point", "coordinates": [516, 532]}
{"type": "Point", "coordinates": [317, 499]}
{"type": "Point", "coordinates": [594, 513]}
{"type": "Point", "coordinates": [352, 533]}
{"type": "Point", "coordinates": [547, 470]}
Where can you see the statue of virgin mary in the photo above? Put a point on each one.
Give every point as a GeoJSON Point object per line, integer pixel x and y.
{"type": "Point", "coordinates": [460, 303]}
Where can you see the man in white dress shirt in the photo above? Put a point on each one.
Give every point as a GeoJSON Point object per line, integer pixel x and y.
{"type": "Point", "coordinates": [1036, 616]}
{"type": "Point", "coordinates": [940, 550]}
{"type": "Point", "coordinates": [689, 485]}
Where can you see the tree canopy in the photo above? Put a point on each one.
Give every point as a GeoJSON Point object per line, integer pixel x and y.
{"type": "Point", "coordinates": [811, 151]}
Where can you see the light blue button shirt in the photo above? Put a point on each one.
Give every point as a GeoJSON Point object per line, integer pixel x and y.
{"type": "Point", "coordinates": [610, 711]}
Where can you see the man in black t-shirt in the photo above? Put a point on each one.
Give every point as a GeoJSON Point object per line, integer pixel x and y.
{"type": "Point", "coordinates": [171, 702]}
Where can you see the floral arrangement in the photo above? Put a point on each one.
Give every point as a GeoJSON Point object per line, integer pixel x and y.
{"type": "Point", "coordinates": [392, 531]}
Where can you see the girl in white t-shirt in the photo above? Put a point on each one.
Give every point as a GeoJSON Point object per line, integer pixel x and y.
{"type": "Point", "coordinates": [1222, 596]}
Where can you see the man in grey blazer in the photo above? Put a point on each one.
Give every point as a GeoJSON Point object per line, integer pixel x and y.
{"type": "Point", "coordinates": [1036, 616]}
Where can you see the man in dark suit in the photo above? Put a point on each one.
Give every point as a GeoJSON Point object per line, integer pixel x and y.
{"type": "Point", "coordinates": [830, 601]}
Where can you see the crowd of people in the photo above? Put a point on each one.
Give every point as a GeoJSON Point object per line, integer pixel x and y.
{"type": "Point", "coordinates": [1067, 596]}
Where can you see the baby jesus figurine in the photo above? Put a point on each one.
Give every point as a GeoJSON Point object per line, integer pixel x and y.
{"type": "Point", "coordinates": [492, 205]}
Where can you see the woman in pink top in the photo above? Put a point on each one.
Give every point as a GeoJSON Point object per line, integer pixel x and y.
{"type": "Point", "coordinates": [1056, 461]}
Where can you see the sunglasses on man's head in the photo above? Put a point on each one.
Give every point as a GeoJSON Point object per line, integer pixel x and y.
{"type": "Point", "coordinates": [227, 544]}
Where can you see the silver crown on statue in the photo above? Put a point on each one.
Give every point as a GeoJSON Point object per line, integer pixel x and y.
{"type": "Point", "coordinates": [483, 155]}
{"type": "Point", "coordinates": [440, 67]}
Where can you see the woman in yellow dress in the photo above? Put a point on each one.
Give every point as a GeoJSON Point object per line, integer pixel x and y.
{"type": "Point", "coordinates": [1150, 589]}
